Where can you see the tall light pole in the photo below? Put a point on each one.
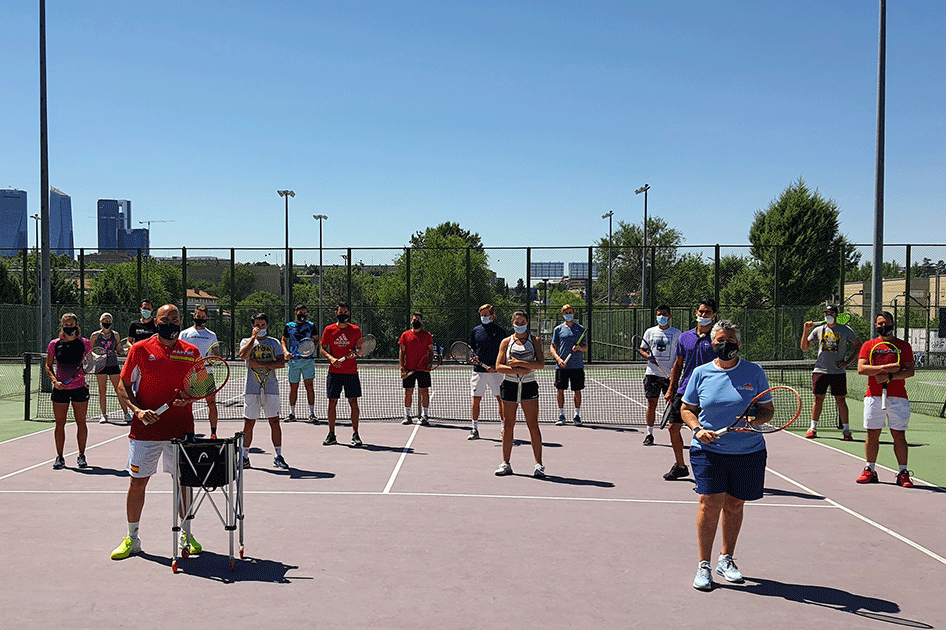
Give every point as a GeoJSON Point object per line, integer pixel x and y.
{"type": "Point", "coordinates": [320, 218]}
{"type": "Point", "coordinates": [609, 216]}
{"type": "Point", "coordinates": [39, 301]}
{"type": "Point", "coordinates": [877, 275]}
{"type": "Point", "coordinates": [644, 189]}
{"type": "Point", "coordinates": [287, 194]}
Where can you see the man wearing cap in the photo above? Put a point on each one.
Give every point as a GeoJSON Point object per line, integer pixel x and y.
{"type": "Point", "coordinates": [832, 339]}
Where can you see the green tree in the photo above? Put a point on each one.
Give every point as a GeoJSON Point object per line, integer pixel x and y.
{"type": "Point", "coordinates": [244, 278]}
{"type": "Point", "coordinates": [10, 291]}
{"type": "Point", "coordinates": [798, 245]}
{"type": "Point", "coordinates": [624, 255]}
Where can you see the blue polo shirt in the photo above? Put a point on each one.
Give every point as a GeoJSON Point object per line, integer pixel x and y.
{"type": "Point", "coordinates": [695, 351]}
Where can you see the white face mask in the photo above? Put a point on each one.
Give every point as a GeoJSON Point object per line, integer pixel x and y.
{"type": "Point", "coordinates": [569, 317]}
{"type": "Point", "coordinates": [704, 321]}
{"type": "Point", "coordinates": [520, 329]}
{"type": "Point", "coordinates": [261, 333]}
{"type": "Point", "coordinates": [485, 319]}
{"type": "Point", "coordinates": [662, 320]}
{"type": "Point", "coordinates": [829, 319]}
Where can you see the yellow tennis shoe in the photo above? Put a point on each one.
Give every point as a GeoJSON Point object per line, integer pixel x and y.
{"type": "Point", "coordinates": [190, 543]}
{"type": "Point", "coordinates": [128, 547]}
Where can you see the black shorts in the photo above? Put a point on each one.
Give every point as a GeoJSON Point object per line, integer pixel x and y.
{"type": "Point", "coordinates": [574, 375]}
{"type": "Point", "coordinates": [77, 395]}
{"type": "Point", "coordinates": [111, 369]}
{"type": "Point", "coordinates": [509, 391]}
{"type": "Point", "coordinates": [820, 383]}
{"type": "Point", "coordinates": [334, 383]}
{"type": "Point", "coordinates": [422, 379]}
{"type": "Point", "coordinates": [675, 417]}
{"type": "Point", "coordinates": [654, 385]}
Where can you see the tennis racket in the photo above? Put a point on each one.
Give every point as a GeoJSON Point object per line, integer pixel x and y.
{"type": "Point", "coordinates": [368, 344]}
{"type": "Point", "coordinates": [264, 354]}
{"type": "Point", "coordinates": [885, 353]}
{"type": "Point", "coordinates": [577, 343]}
{"type": "Point", "coordinates": [644, 350]}
{"type": "Point", "coordinates": [92, 362]}
{"type": "Point", "coordinates": [436, 359]}
{"type": "Point", "coordinates": [785, 409]}
{"type": "Point", "coordinates": [219, 349]}
{"type": "Point", "coordinates": [461, 352]}
{"type": "Point", "coordinates": [843, 318]}
{"type": "Point", "coordinates": [205, 378]}
{"type": "Point", "coordinates": [306, 348]}
{"type": "Point", "coordinates": [668, 413]}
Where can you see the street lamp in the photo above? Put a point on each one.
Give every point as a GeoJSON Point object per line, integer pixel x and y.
{"type": "Point", "coordinates": [644, 189]}
{"type": "Point", "coordinates": [320, 218]}
{"type": "Point", "coordinates": [609, 216]}
{"type": "Point", "coordinates": [39, 302]}
{"type": "Point", "coordinates": [287, 194]}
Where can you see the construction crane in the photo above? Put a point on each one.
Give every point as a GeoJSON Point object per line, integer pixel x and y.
{"type": "Point", "coordinates": [148, 223]}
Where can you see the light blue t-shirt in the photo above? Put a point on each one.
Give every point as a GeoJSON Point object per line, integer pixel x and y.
{"type": "Point", "coordinates": [722, 396]}
{"type": "Point", "coordinates": [564, 339]}
{"type": "Point", "coordinates": [271, 385]}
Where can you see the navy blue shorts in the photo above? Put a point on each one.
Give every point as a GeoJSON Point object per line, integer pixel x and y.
{"type": "Point", "coordinates": [740, 476]}
{"type": "Point", "coordinates": [334, 383]}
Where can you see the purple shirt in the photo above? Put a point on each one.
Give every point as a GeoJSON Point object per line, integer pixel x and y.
{"type": "Point", "coordinates": [695, 351]}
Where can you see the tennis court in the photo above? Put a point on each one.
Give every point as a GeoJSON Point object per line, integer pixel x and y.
{"type": "Point", "coordinates": [415, 531]}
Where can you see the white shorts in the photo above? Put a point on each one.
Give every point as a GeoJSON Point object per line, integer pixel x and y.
{"type": "Point", "coordinates": [143, 457]}
{"type": "Point", "coordinates": [251, 407]}
{"type": "Point", "coordinates": [480, 380]}
{"type": "Point", "coordinates": [897, 414]}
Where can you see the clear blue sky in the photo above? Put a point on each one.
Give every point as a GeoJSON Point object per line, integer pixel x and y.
{"type": "Point", "coordinates": [522, 121]}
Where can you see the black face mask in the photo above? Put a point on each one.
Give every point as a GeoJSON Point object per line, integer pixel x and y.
{"type": "Point", "coordinates": [343, 317]}
{"type": "Point", "coordinates": [200, 321]}
{"type": "Point", "coordinates": [106, 325]}
{"type": "Point", "coordinates": [300, 318]}
{"type": "Point", "coordinates": [883, 331]}
{"type": "Point", "coordinates": [416, 324]}
{"type": "Point", "coordinates": [169, 331]}
{"type": "Point", "coordinates": [70, 330]}
{"type": "Point", "coordinates": [726, 351]}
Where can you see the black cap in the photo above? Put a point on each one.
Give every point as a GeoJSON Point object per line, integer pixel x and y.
{"type": "Point", "coordinates": [831, 308]}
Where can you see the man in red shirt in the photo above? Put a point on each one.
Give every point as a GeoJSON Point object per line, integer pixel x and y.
{"type": "Point", "coordinates": [890, 373]}
{"type": "Point", "coordinates": [339, 346]}
{"type": "Point", "coordinates": [415, 354]}
{"type": "Point", "coordinates": [153, 374]}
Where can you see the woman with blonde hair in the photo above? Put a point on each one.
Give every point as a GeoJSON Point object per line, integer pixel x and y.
{"type": "Point", "coordinates": [69, 386]}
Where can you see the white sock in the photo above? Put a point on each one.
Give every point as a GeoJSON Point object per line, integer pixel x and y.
{"type": "Point", "coordinates": [425, 412]}
{"type": "Point", "coordinates": [407, 412]}
{"type": "Point", "coordinates": [814, 425]}
{"type": "Point", "coordinates": [311, 410]}
{"type": "Point", "coordinates": [650, 430]}
{"type": "Point", "coordinates": [577, 412]}
{"type": "Point", "coordinates": [846, 428]}
{"type": "Point", "coordinates": [870, 466]}
{"type": "Point", "coordinates": [561, 412]}
{"type": "Point", "coordinates": [133, 530]}
{"type": "Point", "coordinates": [474, 426]}
{"type": "Point", "coordinates": [278, 450]}
{"type": "Point", "coordinates": [903, 467]}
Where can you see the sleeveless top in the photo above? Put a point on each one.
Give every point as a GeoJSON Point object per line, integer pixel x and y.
{"type": "Point", "coordinates": [524, 350]}
{"type": "Point", "coordinates": [110, 346]}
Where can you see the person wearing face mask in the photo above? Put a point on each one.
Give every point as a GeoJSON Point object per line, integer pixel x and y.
{"type": "Point", "coordinates": [565, 345]}
{"type": "Point", "coordinates": [300, 368]}
{"type": "Point", "coordinates": [519, 356]}
{"type": "Point", "coordinates": [415, 353]}
{"type": "Point", "coordinates": [342, 340]}
{"type": "Point", "coordinates": [728, 469]}
{"type": "Point", "coordinates": [69, 386]}
{"type": "Point", "coordinates": [203, 338]}
{"type": "Point", "coordinates": [897, 414]}
{"type": "Point", "coordinates": [261, 394]}
{"type": "Point", "coordinates": [485, 340]}
{"type": "Point", "coordinates": [832, 339]}
{"type": "Point", "coordinates": [144, 327]}
{"type": "Point", "coordinates": [694, 348]}
{"type": "Point", "coordinates": [152, 375]}
{"type": "Point", "coordinates": [662, 340]}
{"type": "Point", "coordinates": [107, 340]}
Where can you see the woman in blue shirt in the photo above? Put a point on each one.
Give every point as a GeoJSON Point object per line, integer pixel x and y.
{"type": "Point", "coordinates": [729, 469]}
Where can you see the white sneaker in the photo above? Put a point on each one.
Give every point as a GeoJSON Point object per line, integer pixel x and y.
{"type": "Point", "coordinates": [539, 472]}
{"type": "Point", "coordinates": [503, 470]}
{"type": "Point", "coordinates": [704, 577]}
{"type": "Point", "coordinates": [103, 419]}
{"type": "Point", "coordinates": [727, 568]}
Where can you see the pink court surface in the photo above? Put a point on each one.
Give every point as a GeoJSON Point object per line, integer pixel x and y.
{"type": "Point", "coordinates": [413, 530]}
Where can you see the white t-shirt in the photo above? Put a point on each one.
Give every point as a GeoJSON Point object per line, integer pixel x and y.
{"type": "Point", "coordinates": [203, 339]}
{"type": "Point", "coordinates": [663, 343]}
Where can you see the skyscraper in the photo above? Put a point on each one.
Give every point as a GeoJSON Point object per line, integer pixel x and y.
{"type": "Point", "coordinates": [115, 231]}
{"type": "Point", "coordinates": [13, 220]}
{"type": "Point", "coordinates": [60, 223]}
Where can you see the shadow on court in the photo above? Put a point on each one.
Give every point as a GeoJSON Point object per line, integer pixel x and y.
{"type": "Point", "coordinates": [216, 567]}
{"type": "Point", "coordinates": [777, 492]}
{"type": "Point", "coordinates": [98, 470]}
{"type": "Point", "coordinates": [837, 599]}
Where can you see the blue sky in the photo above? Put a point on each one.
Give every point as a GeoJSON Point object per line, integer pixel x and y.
{"type": "Point", "coordinates": [522, 121]}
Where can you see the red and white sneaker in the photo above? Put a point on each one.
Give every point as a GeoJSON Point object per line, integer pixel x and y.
{"type": "Point", "coordinates": [847, 436]}
{"type": "Point", "coordinates": [903, 479]}
{"type": "Point", "coordinates": [868, 476]}
{"type": "Point", "coordinates": [812, 434]}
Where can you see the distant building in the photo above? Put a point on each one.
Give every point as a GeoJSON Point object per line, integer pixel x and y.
{"type": "Point", "coordinates": [114, 228]}
{"type": "Point", "coordinates": [60, 223]}
{"type": "Point", "coordinates": [13, 237]}
{"type": "Point", "coordinates": [196, 297]}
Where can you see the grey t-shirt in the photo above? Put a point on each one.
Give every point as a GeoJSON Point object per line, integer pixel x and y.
{"type": "Point", "coordinates": [832, 346]}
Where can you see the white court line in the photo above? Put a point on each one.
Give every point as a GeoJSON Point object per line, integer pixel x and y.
{"type": "Point", "coordinates": [614, 391]}
{"type": "Point", "coordinates": [50, 461]}
{"type": "Point", "coordinates": [27, 435]}
{"type": "Point", "coordinates": [400, 460]}
{"type": "Point", "coordinates": [886, 530]}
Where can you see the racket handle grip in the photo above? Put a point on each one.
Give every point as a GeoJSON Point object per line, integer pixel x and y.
{"type": "Point", "coordinates": [162, 409]}
{"type": "Point", "coordinates": [721, 431]}
{"type": "Point", "coordinates": [568, 357]}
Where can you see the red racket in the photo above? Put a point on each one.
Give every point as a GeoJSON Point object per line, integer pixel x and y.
{"type": "Point", "coordinates": [205, 378]}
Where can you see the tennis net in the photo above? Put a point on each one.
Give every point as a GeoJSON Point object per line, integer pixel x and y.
{"type": "Point", "coordinates": [613, 394]}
